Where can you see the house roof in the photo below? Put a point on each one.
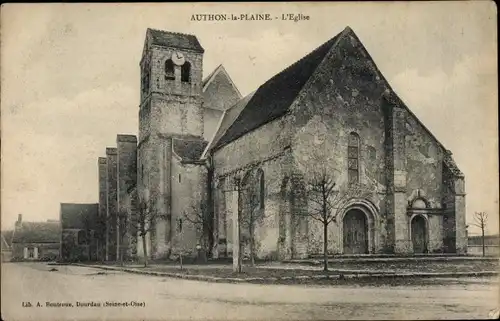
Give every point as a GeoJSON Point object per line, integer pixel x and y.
{"type": "Point", "coordinates": [79, 216]}
{"type": "Point", "coordinates": [188, 149]}
{"type": "Point", "coordinates": [174, 39]}
{"type": "Point", "coordinates": [37, 232]}
{"type": "Point", "coordinates": [274, 97]}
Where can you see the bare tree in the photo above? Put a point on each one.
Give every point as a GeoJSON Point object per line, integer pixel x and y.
{"type": "Point", "coordinates": [325, 202]}
{"type": "Point", "coordinates": [480, 219]}
{"type": "Point", "coordinates": [199, 217]}
{"type": "Point", "coordinates": [147, 218]}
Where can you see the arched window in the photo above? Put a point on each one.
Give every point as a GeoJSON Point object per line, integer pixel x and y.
{"type": "Point", "coordinates": [169, 70]}
{"type": "Point", "coordinates": [186, 72]}
{"type": "Point", "coordinates": [353, 158]}
{"type": "Point", "coordinates": [262, 185]}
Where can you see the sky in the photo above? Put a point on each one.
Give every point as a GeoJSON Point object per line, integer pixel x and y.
{"type": "Point", "coordinates": [70, 81]}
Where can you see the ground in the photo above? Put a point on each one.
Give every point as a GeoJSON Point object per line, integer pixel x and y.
{"type": "Point", "coordinates": [278, 272]}
{"type": "Point", "coordinates": [165, 298]}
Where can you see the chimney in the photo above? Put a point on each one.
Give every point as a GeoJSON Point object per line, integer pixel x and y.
{"type": "Point", "coordinates": [19, 220]}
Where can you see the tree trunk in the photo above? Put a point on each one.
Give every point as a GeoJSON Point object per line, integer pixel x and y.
{"type": "Point", "coordinates": [144, 250]}
{"type": "Point", "coordinates": [325, 246]}
{"type": "Point", "coordinates": [482, 233]}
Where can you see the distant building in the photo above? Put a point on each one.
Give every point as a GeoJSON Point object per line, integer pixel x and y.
{"type": "Point", "coordinates": [81, 232]}
{"type": "Point", "coordinates": [36, 240]}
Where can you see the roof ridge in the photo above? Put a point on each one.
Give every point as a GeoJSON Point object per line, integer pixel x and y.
{"type": "Point", "coordinates": [173, 32]}
{"type": "Point", "coordinates": [339, 35]}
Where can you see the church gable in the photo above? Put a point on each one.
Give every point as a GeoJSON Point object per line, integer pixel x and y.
{"type": "Point", "coordinates": [219, 94]}
{"type": "Point", "coordinates": [219, 91]}
{"type": "Point", "coordinates": [346, 95]}
{"type": "Point", "coordinates": [340, 101]}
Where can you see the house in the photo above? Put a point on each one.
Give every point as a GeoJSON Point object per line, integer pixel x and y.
{"type": "Point", "coordinates": [36, 240]}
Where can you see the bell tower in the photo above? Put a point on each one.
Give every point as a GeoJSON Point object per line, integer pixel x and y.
{"type": "Point", "coordinates": [170, 108]}
{"type": "Point", "coordinates": [171, 84]}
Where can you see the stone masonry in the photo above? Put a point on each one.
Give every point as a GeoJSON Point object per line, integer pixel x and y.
{"type": "Point", "coordinates": [126, 179]}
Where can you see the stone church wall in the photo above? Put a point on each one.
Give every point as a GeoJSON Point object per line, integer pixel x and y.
{"type": "Point", "coordinates": [126, 178]}
{"type": "Point", "coordinates": [343, 98]}
{"type": "Point", "coordinates": [112, 206]}
{"type": "Point", "coordinates": [188, 189]}
{"type": "Point", "coordinates": [265, 148]}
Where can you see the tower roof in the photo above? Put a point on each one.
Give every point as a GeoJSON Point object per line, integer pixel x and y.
{"type": "Point", "coordinates": [174, 39]}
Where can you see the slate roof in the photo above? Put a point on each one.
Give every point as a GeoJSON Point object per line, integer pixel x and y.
{"type": "Point", "coordinates": [79, 216]}
{"type": "Point", "coordinates": [189, 149]}
{"type": "Point", "coordinates": [274, 97]}
{"type": "Point", "coordinates": [174, 39]}
{"type": "Point", "coordinates": [37, 232]}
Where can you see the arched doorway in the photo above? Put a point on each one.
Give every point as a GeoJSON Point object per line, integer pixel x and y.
{"type": "Point", "coordinates": [419, 234]}
{"type": "Point", "coordinates": [355, 232]}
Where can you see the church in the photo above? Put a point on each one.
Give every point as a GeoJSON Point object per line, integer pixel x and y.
{"type": "Point", "coordinates": [206, 158]}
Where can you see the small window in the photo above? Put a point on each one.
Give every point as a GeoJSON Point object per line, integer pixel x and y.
{"type": "Point", "coordinates": [186, 72]}
{"type": "Point", "coordinates": [179, 178]}
{"type": "Point", "coordinates": [180, 225]}
{"type": "Point", "coordinates": [169, 70]}
{"type": "Point", "coordinates": [262, 195]}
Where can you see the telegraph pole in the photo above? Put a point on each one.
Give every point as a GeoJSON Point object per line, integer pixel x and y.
{"type": "Point", "coordinates": [236, 225]}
